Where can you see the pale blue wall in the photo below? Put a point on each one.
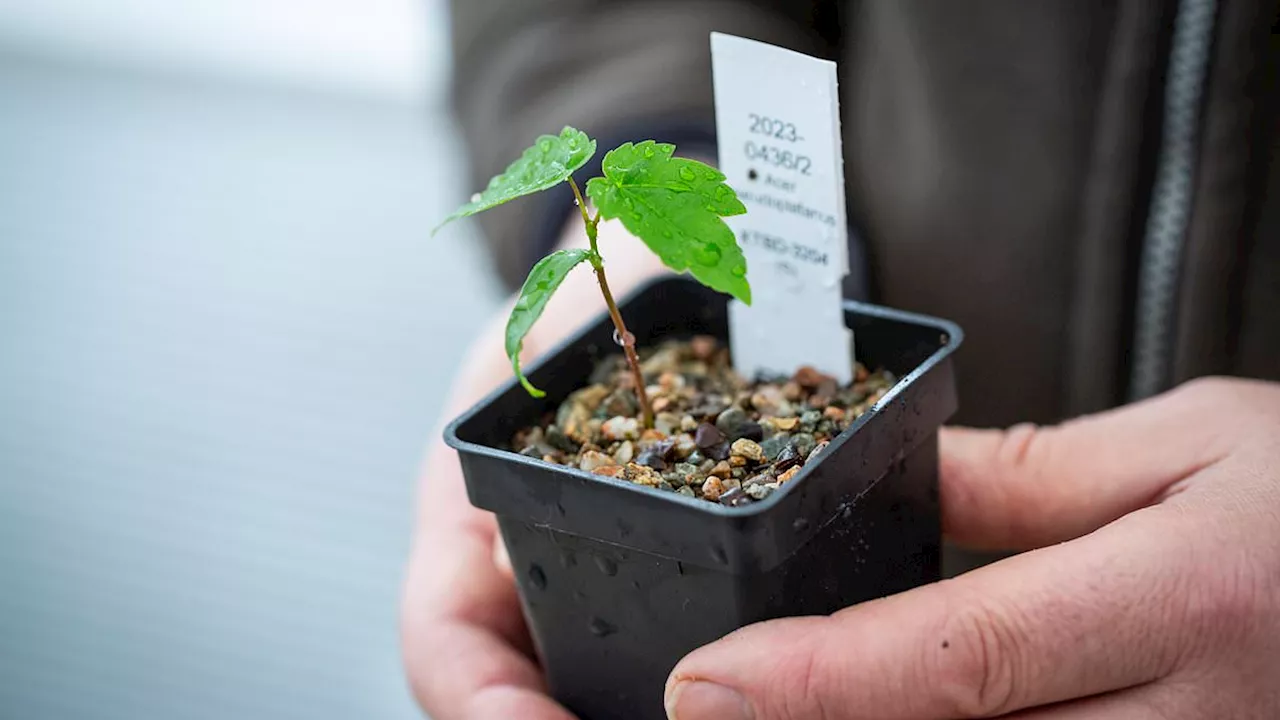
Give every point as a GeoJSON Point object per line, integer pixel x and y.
{"type": "Point", "coordinates": [220, 356]}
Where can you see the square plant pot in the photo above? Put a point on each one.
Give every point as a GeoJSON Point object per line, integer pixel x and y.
{"type": "Point", "coordinates": [619, 581]}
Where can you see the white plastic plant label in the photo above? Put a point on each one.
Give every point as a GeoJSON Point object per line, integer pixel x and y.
{"type": "Point", "coordinates": [778, 121]}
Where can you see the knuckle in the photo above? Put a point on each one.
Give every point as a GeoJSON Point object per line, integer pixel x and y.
{"type": "Point", "coordinates": [1208, 391]}
{"type": "Point", "coordinates": [976, 661]}
{"type": "Point", "coordinates": [1017, 445]}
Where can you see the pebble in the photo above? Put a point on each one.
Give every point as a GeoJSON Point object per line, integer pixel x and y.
{"type": "Point", "coordinates": [662, 403]}
{"type": "Point", "coordinates": [685, 490]}
{"type": "Point", "coordinates": [804, 443]}
{"type": "Point", "coordinates": [707, 435]}
{"type": "Point", "coordinates": [557, 439]}
{"type": "Point", "coordinates": [592, 459]}
{"type": "Point", "coordinates": [809, 420]}
{"type": "Point", "coordinates": [664, 485]}
{"type": "Point", "coordinates": [683, 447]}
{"type": "Point", "coordinates": [731, 483]}
{"type": "Point", "coordinates": [651, 435]}
{"type": "Point", "coordinates": [621, 402]}
{"type": "Point", "coordinates": [730, 422]}
{"type": "Point", "coordinates": [734, 497]}
{"type": "Point", "coordinates": [810, 378]}
{"type": "Point", "coordinates": [721, 469]}
{"type": "Point", "coordinates": [737, 461]}
{"type": "Point", "coordinates": [671, 381]}
{"type": "Point", "coordinates": [688, 424]}
{"type": "Point", "coordinates": [577, 409]}
{"type": "Point", "coordinates": [625, 453]}
{"type": "Point", "coordinates": [608, 470]}
{"type": "Point", "coordinates": [712, 488]}
{"type": "Point", "coordinates": [768, 400]}
{"type": "Point", "coordinates": [785, 477]}
{"type": "Point", "coordinates": [787, 459]}
{"type": "Point", "coordinates": [833, 413]}
{"type": "Point", "coordinates": [717, 452]}
{"type": "Point", "coordinates": [773, 446]}
{"type": "Point", "coordinates": [760, 479]}
{"type": "Point", "coordinates": [666, 423]}
{"type": "Point", "coordinates": [792, 391]}
{"type": "Point", "coordinates": [748, 449]}
{"type": "Point", "coordinates": [786, 424]}
{"type": "Point", "coordinates": [641, 475]}
{"type": "Point", "coordinates": [752, 430]}
{"type": "Point", "coordinates": [759, 491]}
{"type": "Point", "coordinates": [817, 450]}
{"type": "Point", "coordinates": [652, 457]}
{"type": "Point", "coordinates": [738, 473]}
{"type": "Point", "coordinates": [696, 457]}
{"type": "Point", "coordinates": [621, 428]}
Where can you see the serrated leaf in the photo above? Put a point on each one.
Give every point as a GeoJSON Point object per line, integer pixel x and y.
{"type": "Point", "coordinates": [547, 163]}
{"type": "Point", "coordinates": [538, 288]}
{"type": "Point", "coordinates": [676, 206]}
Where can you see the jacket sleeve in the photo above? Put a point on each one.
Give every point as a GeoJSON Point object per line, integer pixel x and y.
{"type": "Point", "coordinates": [619, 70]}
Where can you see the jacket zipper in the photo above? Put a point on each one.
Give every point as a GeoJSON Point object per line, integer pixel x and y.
{"type": "Point", "coordinates": [1170, 210]}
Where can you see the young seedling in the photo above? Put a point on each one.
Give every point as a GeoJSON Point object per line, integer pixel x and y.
{"type": "Point", "coordinates": [674, 205]}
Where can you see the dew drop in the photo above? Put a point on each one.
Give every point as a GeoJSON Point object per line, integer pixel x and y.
{"type": "Point", "coordinates": [739, 270]}
{"type": "Point", "coordinates": [708, 254]}
{"type": "Point", "coordinates": [666, 234]}
{"type": "Point", "coordinates": [544, 145]}
{"type": "Point", "coordinates": [636, 216]}
{"type": "Point", "coordinates": [543, 284]}
{"type": "Point", "coordinates": [601, 627]}
{"type": "Point", "coordinates": [537, 577]}
{"type": "Point", "coordinates": [718, 554]}
{"type": "Point", "coordinates": [607, 566]}
{"type": "Point", "coordinates": [623, 341]}
{"type": "Point", "coordinates": [724, 194]}
{"type": "Point", "coordinates": [475, 197]}
{"type": "Point", "coordinates": [648, 152]}
{"type": "Point", "coordinates": [687, 174]}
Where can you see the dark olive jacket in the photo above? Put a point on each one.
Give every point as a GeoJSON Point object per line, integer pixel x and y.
{"type": "Point", "coordinates": [1087, 187]}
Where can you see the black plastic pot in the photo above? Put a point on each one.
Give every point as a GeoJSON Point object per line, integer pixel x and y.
{"type": "Point", "coordinates": [619, 581]}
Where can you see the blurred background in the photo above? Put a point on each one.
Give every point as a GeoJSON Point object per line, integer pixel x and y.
{"type": "Point", "coordinates": [222, 349]}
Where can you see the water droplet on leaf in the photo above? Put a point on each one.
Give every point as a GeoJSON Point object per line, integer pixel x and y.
{"type": "Point", "coordinates": [687, 174]}
{"type": "Point", "coordinates": [475, 197]}
{"type": "Point", "coordinates": [648, 152]}
{"type": "Point", "coordinates": [739, 270]}
{"type": "Point", "coordinates": [544, 145]}
{"type": "Point", "coordinates": [708, 254]}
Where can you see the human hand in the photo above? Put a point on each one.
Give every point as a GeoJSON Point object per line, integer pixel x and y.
{"type": "Point", "coordinates": [465, 646]}
{"type": "Point", "coordinates": [1155, 591]}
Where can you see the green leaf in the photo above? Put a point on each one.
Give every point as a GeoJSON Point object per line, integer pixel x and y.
{"type": "Point", "coordinates": [538, 288]}
{"type": "Point", "coordinates": [675, 205]}
{"type": "Point", "coordinates": [547, 163]}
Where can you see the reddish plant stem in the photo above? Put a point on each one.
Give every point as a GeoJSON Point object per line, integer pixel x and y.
{"type": "Point", "coordinates": [627, 340]}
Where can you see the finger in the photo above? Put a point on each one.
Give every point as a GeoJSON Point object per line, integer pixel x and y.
{"type": "Point", "coordinates": [511, 702]}
{"type": "Point", "coordinates": [477, 675]}
{"type": "Point", "coordinates": [1069, 621]}
{"type": "Point", "coordinates": [1150, 702]}
{"type": "Point", "coordinates": [1029, 487]}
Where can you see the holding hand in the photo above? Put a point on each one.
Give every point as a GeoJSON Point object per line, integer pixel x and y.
{"type": "Point", "coordinates": [1154, 591]}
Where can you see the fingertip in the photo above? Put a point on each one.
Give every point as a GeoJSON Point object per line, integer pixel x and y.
{"type": "Point", "coordinates": [501, 559]}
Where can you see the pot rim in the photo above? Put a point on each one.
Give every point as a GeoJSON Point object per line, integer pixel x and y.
{"type": "Point", "coordinates": [953, 334]}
